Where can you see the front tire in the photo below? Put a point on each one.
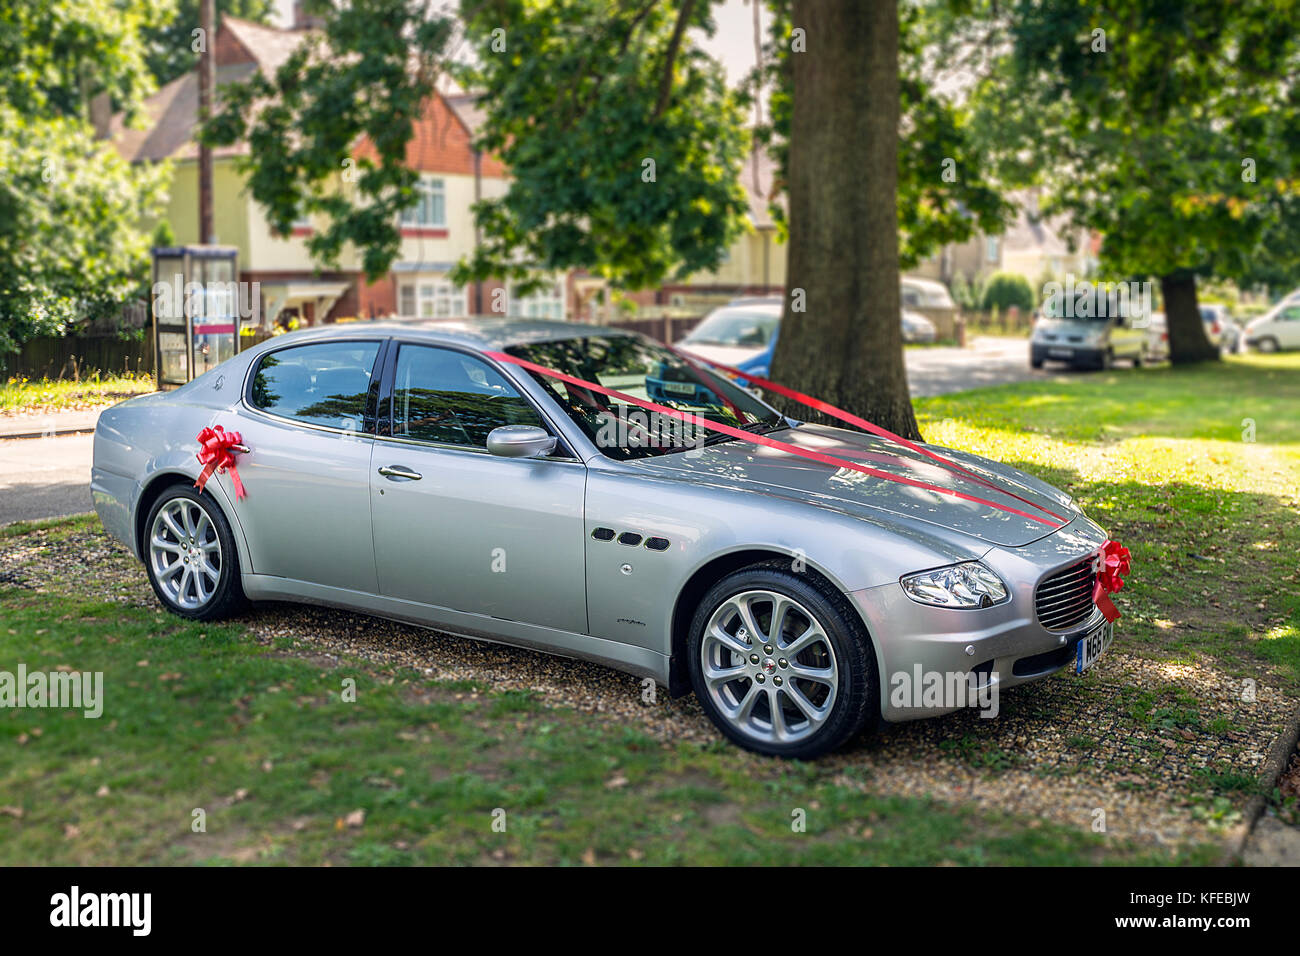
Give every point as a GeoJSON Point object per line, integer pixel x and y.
{"type": "Point", "coordinates": [1267, 345]}
{"type": "Point", "coordinates": [190, 555]}
{"type": "Point", "coordinates": [781, 663]}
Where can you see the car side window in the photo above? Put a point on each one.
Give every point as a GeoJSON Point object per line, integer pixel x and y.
{"type": "Point", "coordinates": [326, 383]}
{"type": "Point", "coordinates": [441, 395]}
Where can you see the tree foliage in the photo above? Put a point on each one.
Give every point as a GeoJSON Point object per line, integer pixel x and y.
{"type": "Point", "coordinates": [623, 143]}
{"type": "Point", "coordinates": [60, 54]}
{"type": "Point", "coordinates": [1171, 129]}
{"type": "Point", "coordinates": [71, 247]}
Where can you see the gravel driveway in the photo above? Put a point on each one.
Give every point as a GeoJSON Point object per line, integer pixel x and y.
{"type": "Point", "coordinates": [1141, 740]}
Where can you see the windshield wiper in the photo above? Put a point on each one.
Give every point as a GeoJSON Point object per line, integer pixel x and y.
{"type": "Point", "coordinates": [756, 428]}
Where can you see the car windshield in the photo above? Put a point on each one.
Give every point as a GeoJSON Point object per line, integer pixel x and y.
{"type": "Point", "coordinates": [739, 327]}
{"type": "Point", "coordinates": [644, 369]}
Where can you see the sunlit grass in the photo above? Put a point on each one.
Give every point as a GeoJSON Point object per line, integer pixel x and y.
{"type": "Point", "coordinates": [18, 394]}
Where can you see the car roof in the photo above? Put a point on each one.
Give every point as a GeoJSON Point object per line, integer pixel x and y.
{"type": "Point", "coordinates": [750, 307]}
{"type": "Point", "coordinates": [492, 333]}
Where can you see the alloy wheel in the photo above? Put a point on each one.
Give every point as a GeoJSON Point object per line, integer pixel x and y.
{"type": "Point", "coordinates": [768, 666]}
{"type": "Point", "coordinates": [185, 553]}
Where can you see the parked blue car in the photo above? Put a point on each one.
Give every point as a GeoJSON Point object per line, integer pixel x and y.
{"type": "Point", "coordinates": [743, 334]}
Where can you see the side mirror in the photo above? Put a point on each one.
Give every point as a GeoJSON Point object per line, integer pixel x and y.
{"type": "Point", "coordinates": [520, 441]}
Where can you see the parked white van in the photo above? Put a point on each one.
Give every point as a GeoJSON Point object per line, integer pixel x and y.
{"type": "Point", "coordinates": [1278, 328]}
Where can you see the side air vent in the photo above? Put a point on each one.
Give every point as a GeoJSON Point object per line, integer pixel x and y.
{"type": "Point", "coordinates": [629, 538]}
{"type": "Point", "coordinates": [657, 544]}
{"type": "Point", "coordinates": [603, 534]}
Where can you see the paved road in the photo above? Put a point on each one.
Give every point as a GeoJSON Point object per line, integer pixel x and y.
{"type": "Point", "coordinates": [44, 477]}
{"type": "Point", "coordinates": [988, 361]}
{"type": "Point", "coordinates": [49, 477]}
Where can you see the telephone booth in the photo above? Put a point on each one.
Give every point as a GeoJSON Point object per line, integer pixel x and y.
{"type": "Point", "coordinates": [196, 310]}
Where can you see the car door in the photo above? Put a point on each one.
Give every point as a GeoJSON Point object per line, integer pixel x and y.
{"type": "Point", "coordinates": [458, 527]}
{"type": "Point", "coordinates": [308, 419]}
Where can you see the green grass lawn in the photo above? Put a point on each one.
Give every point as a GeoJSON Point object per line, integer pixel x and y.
{"type": "Point", "coordinates": [56, 395]}
{"type": "Point", "coordinates": [286, 770]}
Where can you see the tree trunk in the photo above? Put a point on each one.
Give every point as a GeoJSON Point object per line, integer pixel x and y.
{"type": "Point", "coordinates": [840, 334]}
{"type": "Point", "coordinates": [1187, 339]}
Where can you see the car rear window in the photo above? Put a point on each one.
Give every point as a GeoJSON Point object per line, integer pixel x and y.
{"type": "Point", "coordinates": [327, 383]}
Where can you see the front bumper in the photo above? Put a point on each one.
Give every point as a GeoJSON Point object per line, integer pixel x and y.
{"type": "Point", "coordinates": [1065, 352]}
{"type": "Point", "coordinates": [1002, 646]}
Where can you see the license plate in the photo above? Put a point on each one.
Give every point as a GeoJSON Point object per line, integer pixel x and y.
{"type": "Point", "coordinates": [1061, 353]}
{"type": "Point", "coordinates": [1092, 645]}
{"type": "Point", "coordinates": [678, 388]}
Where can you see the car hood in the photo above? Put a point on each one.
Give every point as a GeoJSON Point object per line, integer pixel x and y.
{"type": "Point", "coordinates": [748, 467]}
{"type": "Point", "coordinates": [723, 354]}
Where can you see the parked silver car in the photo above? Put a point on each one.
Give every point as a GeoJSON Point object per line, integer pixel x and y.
{"type": "Point", "coordinates": [1088, 342]}
{"type": "Point", "coordinates": [404, 471]}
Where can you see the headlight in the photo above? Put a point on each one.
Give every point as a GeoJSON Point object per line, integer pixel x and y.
{"type": "Point", "coordinates": [962, 585]}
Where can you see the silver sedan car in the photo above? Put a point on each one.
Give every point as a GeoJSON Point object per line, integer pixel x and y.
{"type": "Point", "coordinates": [409, 472]}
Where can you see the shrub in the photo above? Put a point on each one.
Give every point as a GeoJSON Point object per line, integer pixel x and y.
{"type": "Point", "coordinates": [1006, 289]}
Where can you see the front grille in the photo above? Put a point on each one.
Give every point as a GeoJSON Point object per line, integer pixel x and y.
{"type": "Point", "coordinates": [1064, 600]}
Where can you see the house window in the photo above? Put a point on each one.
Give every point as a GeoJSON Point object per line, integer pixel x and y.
{"type": "Point", "coordinates": [430, 206]}
{"type": "Point", "coordinates": [991, 248]}
{"type": "Point", "coordinates": [546, 303]}
{"type": "Point", "coordinates": [434, 299]}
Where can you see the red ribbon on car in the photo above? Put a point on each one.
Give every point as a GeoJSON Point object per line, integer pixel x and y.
{"type": "Point", "coordinates": [827, 408]}
{"type": "Point", "coordinates": [1112, 564]}
{"type": "Point", "coordinates": [217, 453]}
{"type": "Point", "coordinates": [764, 440]}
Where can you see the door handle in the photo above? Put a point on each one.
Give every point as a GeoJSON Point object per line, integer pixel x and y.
{"type": "Point", "coordinates": [399, 471]}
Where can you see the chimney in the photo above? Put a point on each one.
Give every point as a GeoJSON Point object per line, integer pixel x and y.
{"type": "Point", "coordinates": [304, 21]}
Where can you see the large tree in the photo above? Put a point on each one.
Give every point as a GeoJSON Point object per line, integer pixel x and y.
{"type": "Point", "coordinates": [880, 172]}
{"type": "Point", "coordinates": [1169, 128]}
{"type": "Point", "coordinates": [71, 247]}
{"type": "Point", "coordinates": [840, 334]}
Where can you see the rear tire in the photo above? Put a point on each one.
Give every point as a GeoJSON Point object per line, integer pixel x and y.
{"type": "Point", "coordinates": [189, 553]}
{"type": "Point", "coordinates": [798, 690]}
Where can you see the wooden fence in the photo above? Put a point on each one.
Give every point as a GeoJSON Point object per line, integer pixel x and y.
{"type": "Point", "coordinates": [78, 356]}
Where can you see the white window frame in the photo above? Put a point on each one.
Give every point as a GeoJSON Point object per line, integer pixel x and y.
{"type": "Point", "coordinates": [433, 298]}
{"type": "Point", "coordinates": [423, 213]}
{"type": "Point", "coordinates": [547, 303]}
